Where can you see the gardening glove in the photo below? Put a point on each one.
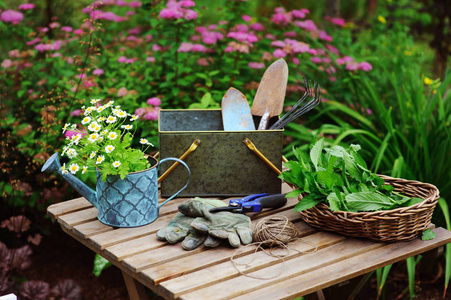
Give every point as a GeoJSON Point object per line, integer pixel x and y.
{"type": "Point", "coordinates": [236, 228]}
{"type": "Point", "coordinates": [179, 229]}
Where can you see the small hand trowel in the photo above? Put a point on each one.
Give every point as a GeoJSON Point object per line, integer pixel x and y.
{"type": "Point", "coordinates": [268, 101]}
{"type": "Point", "coordinates": [236, 114]}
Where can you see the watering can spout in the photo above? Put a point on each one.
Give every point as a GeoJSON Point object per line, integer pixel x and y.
{"type": "Point", "coordinates": [53, 165]}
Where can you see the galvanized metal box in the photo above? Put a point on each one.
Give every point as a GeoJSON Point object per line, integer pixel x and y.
{"type": "Point", "coordinates": [222, 165]}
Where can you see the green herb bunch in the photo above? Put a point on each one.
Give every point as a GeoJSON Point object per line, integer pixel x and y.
{"type": "Point", "coordinates": [339, 177]}
{"type": "Point", "coordinates": [105, 144]}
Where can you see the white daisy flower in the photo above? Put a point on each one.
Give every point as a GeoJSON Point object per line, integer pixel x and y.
{"type": "Point", "coordinates": [93, 154]}
{"type": "Point", "coordinates": [71, 153]}
{"type": "Point", "coordinates": [66, 126]}
{"type": "Point", "coordinates": [100, 159]}
{"type": "Point", "coordinates": [93, 137]}
{"type": "Point", "coordinates": [133, 117]}
{"type": "Point", "coordinates": [110, 103]}
{"type": "Point", "coordinates": [101, 119]}
{"type": "Point", "coordinates": [89, 110]}
{"type": "Point", "coordinates": [100, 139]}
{"type": "Point", "coordinates": [65, 172]}
{"type": "Point", "coordinates": [85, 168]}
{"type": "Point", "coordinates": [116, 164]}
{"type": "Point", "coordinates": [94, 101]}
{"type": "Point", "coordinates": [64, 150]}
{"type": "Point", "coordinates": [112, 135]}
{"type": "Point", "coordinates": [94, 126]}
{"type": "Point", "coordinates": [100, 108]}
{"type": "Point", "coordinates": [121, 113]}
{"type": "Point", "coordinates": [73, 168]}
{"type": "Point", "coordinates": [85, 120]}
{"type": "Point", "coordinates": [63, 168]}
{"type": "Point", "coordinates": [111, 119]}
{"type": "Point", "coordinates": [109, 148]}
{"type": "Point", "coordinates": [143, 141]}
{"type": "Point", "coordinates": [104, 132]}
{"type": "Point", "coordinates": [128, 127]}
{"type": "Point", "coordinates": [73, 126]}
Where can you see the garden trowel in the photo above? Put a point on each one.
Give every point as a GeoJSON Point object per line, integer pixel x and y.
{"type": "Point", "coordinates": [268, 101]}
{"type": "Point", "coordinates": [236, 114]}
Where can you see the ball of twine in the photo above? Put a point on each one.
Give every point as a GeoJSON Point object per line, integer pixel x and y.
{"type": "Point", "coordinates": [275, 231]}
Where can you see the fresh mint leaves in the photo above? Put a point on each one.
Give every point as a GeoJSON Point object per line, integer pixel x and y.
{"type": "Point", "coordinates": [339, 177]}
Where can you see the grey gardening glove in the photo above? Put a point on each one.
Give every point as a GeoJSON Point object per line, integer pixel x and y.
{"type": "Point", "coordinates": [236, 228]}
{"type": "Point", "coordinates": [179, 228]}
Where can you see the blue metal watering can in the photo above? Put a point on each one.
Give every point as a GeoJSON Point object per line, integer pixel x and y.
{"type": "Point", "coordinates": [128, 202]}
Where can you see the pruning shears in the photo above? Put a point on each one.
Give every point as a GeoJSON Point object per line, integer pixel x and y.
{"type": "Point", "coordinates": [253, 203]}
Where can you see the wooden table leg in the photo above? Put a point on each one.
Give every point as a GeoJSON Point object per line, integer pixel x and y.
{"type": "Point", "coordinates": [136, 290]}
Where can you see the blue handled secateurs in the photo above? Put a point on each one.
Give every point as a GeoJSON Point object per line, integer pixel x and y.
{"type": "Point", "coordinates": [253, 203]}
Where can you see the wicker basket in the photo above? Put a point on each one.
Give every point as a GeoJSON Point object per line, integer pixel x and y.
{"type": "Point", "coordinates": [401, 224]}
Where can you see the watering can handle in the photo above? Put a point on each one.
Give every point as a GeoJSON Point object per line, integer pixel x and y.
{"type": "Point", "coordinates": [189, 177]}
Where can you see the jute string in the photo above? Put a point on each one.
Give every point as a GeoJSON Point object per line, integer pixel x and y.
{"type": "Point", "coordinates": [273, 233]}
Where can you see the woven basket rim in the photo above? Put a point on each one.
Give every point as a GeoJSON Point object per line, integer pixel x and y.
{"type": "Point", "coordinates": [432, 198]}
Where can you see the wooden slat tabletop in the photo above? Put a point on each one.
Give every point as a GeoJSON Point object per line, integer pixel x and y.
{"type": "Point", "coordinates": [205, 273]}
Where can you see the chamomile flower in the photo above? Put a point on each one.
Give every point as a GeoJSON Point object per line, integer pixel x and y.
{"type": "Point", "coordinates": [63, 169]}
{"type": "Point", "coordinates": [73, 126]}
{"type": "Point", "coordinates": [86, 120]}
{"type": "Point", "coordinates": [116, 164]}
{"type": "Point", "coordinates": [112, 135]}
{"type": "Point", "coordinates": [128, 127]}
{"type": "Point", "coordinates": [101, 119]}
{"type": "Point", "coordinates": [133, 117]}
{"type": "Point", "coordinates": [100, 138]}
{"type": "Point", "coordinates": [94, 101]}
{"type": "Point", "coordinates": [109, 148]}
{"type": "Point", "coordinates": [101, 108]}
{"type": "Point", "coordinates": [143, 141]}
{"type": "Point", "coordinates": [89, 110]}
{"type": "Point", "coordinates": [93, 137]}
{"type": "Point", "coordinates": [100, 159]}
{"type": "Point", "coordinates": [111, 119]}
{"type": "Point", "coordinates": [66, 126]}
{"type": "Point", "coordinates": [85, 168]}
{"type": "Point", "coordinates": [94, 126]}
{"type": "Point", "coordinates": [109, 104]}
{"type": "Point", "coordinates": [93, 154]}
{"type": "Point", "coordinates": [121, 114]}
{"type": "Point", "coordinates": [71, 152]}
{"type": "Point", "coordinates": [73, 168]}
{"type": "Point", "coordinates": [104, 132]}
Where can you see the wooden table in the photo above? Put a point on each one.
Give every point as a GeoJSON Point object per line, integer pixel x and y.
{"type": "Point", "coordinates": [204, 273]}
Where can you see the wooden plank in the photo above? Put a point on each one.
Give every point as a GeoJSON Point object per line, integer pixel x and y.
{"type": "Point", "coordinates": [89, 229]}
{"type": "Point", "coordinates": [344, 270]}
{"type": "Point", "coordinates": [79, 217]}
{"type": "Point", "coordinates": [58, 209]}
{"type": "Point", "coordinates": [103, 240]}
{"type": "Point", "coordinates": [136, 291]}
{"type": "Point", "coordinates": [241, 285]}
{"type": "Point", "coordinates": [210, 275]}
{"type": "Point", "coordinates": [146, 259]}
{"type": "Point", "coordinates": [133, 247]}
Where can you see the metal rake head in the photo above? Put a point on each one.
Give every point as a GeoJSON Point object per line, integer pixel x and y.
{"type": "Point", "coordinates": [310, 99]}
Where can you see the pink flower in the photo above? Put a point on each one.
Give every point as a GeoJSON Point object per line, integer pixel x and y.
{"type": "Point", "coordinates": [98, 72]}
{"type": "Point", "coordinates": [338, 21]}
{"type": "Point", "coordinates": [190, 15]}
{"type": "Point", "coordinates": [332, 49]}
{"type": "Point", "coordinates": [66, 28]}
{"type": "Point", "coordinates": [299, 13]}
{"type": "Point", "coordinates": [130, 61]}
{"type": "Point", "coordinates": [32, 42]}
{"type": "Point", "coordinates": [203, 62]}
{"type": "Point", "coordinates": [140, 111]}
{"type": "Point", "coordinates": [326, 60]}
{"type": "Point", "coordinates": [155, 47]}
{"type": "Point", "coordinates": [54, 25]}
{"type": "Point", "coordinates": [365, 66]}
{"type": "Point", "coordinates": [278, 44]}
{"type": "Point", "coordinates": [12, 16]}
{"type": "Point", "coordinates": [257, 27]}
{"type": "Point", "coordinates": [256, 65]}
{"type": "Point", "coordinates": [135, 4]}
{"type": "Point", "coordinates": [155, 101]}
{"type": "Point", "coordinates": [316, 60]}
{"type": "Point", "coordinates": [7, 63]}
{"type": "Point", "coordinates": [187, 3]}
{"type": "Point", "coordinates": [134, 31]}
{"type": "Point", "coordinates": [212, 27]}
{"type": "Point", "coordinates": [324, 36]}
{"type": "Point", "coordinates": [26, 6]}
{"type": "Point", "coordinates": [14, 53]}
{"type": "Point", "coordinates": [185, 47]}
{"type": "Point", "coordinates": [130, 13]}
{"type": "Point", "coordinates": [167, 13]}
{"type": "Point", "coordinates": [300, 47]}
{"type": "Point", "coordinates": [279, 53]}
{"type": "Point", "coordinates": [228, 49]}
{"type": "Point", "coordinates": [75, 113]}
{"type": "Point", "coordinates": [242, 28]}
{"type": "Point", "coordinates": [270, 36]}
{"type": "Point", "coordinates": [307, 25]}
{"type": "Point", "coordinates": [122, 92]}
{"type": "Point", "coordinates": [295, 61]}
{"type": "Point", "coordinates": [313, 52]}
{"type": "Point", "coordinates": [199, 48]}
{"type": "Point", "coordinates": [45, 29]}
{"type": "Point", "coordinates": [332, 78]}
{"type": "Point", "coordinates": [151, 115]}
{"type": "Point", "coordinates": [352, 66]}
{"type": "Point", "coordinates": [150, 59]}
{"type": "Point", "coordinates": [122, 59]}
{"type": "Point", "coordinates": [344, 60]}
{"type": "Point", "coordinates": [69, 133]}
{"type": "Point", "coordinates": [121, 3]}
{"type": "Point", "coordinates": [78, 31]}
{"type": "Point", "coordinates": [82, 76]}
{"type": "Point", "coordinates": [290, 33]}
{"type": "Point", "coordinates": [246, 18]}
